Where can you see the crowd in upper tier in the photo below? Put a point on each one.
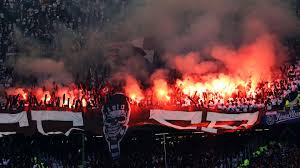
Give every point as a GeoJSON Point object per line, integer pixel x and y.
{"type": "Point", "coordinates": [39, 19]}
{"type": "Point", "coordinates": [277, 95]}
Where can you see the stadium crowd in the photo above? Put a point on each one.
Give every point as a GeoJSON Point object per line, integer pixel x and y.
{"type": "Point", "coordinates": [277, 95]}
{"type": "Point", "coordinates": [39, 20]}
{"type": "Point", "coordinates": [147, 150]}
{"type": "Point", "coordinates": [279, 155]}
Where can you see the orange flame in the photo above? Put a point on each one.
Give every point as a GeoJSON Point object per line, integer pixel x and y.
{"type": "Point", "coordinates": [133, 90]}
{"type": "Point", "coordinates": [223, 85]}
{"type": "Point", "coordinates": [161, 90]}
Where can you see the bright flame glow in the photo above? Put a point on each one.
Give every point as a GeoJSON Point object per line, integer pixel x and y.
{"type": "Point", "coordinates": [83, 103]}
{"type": "Point", "coordinates": [223, 85]}
{"type": "Point", "coordinates": [132, 90]}
{"type": "Point", "coordinates": [161, 90]}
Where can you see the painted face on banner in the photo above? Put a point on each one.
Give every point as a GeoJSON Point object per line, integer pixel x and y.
{"type": "Point", "coordinates": [116, 115]}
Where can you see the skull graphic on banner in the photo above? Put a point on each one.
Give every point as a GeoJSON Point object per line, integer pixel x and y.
{"type": "Point", "coordinates": [116, 115]}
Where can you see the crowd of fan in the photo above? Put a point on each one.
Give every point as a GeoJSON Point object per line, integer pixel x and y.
{"type": "Point", "coordinates": [221, 151]}
{"type": "Point", "coordinates": [279, 155]}
{"type": "Point", "coordinates": [37, 151]}
{"type": "Point", "coordinates": [192, 152]}
{"type": "Point", "coordinates": [277, 95]}
{"type": "Point", "coordinates": [239, 150]}
{"type": "Point", "coordinates": [40, 19]}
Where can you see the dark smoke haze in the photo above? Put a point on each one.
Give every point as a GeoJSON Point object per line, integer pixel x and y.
{"type": "Point", "coordinates": [197, 35]}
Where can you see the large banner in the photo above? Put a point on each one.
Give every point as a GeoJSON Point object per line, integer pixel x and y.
{"type": "Point", "coordinates": [117, 118]}
{"type": "Point", "coordinates": [42, 121]}
{"type": "Point", "coordinates": [113, 120]}
{"type": "Point", "coordinates": [281, 117]}
{"type": "Point", "coordinates": [212, 122]}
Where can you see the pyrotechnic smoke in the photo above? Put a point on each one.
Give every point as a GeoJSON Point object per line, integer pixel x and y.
{"type": "Point", "coordinates": [240, 38]}
{"type": "Point", "coordinates": [160, 86]}
{"type": "Point", "coordinates": [253, 60]}
{"type": "Point", "coordinates": [44, 69]}
{"type": "Point", "coordinates": [33, 61]}
{"type": "Point", "coordinates": [197, 24]}
{"type": "Point", "coordinates": [132, 89]}
{"type": "Point", "coordinates": [191, 64]}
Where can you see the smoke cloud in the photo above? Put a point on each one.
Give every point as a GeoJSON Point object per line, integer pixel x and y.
{"type": "Point", "coordinates": [44, 69]}
{"type": "Point", "coordinates": [199, 36]}
{"type": "Point", "coordinates": [252, 60]}
{"type": "Point", "coordinates": [191, 64]}
{"type": "Point", "coordinates": [196, 24]}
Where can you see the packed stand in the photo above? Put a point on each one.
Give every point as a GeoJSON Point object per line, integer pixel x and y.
{"type": "Point", "coordinates": [147, 150]}
{"type": "Point", "coordinates": [39, 21]}
{"type": "Point", "coordinates": [92, 94]}
{"type": "Point", "coordinates": [278, 155]}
